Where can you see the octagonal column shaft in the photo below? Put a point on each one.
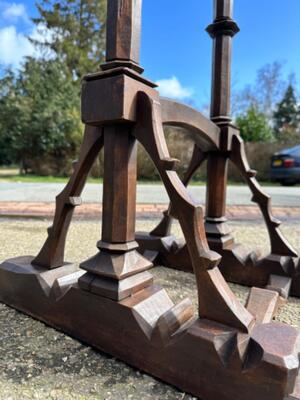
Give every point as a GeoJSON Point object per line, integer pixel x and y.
{"type": "Point", "coordinates": [221, 30]}
{"type": "Point", "coordinates": [119, 185]}
{"type": "Point", "coordinates": [117, 271]}
{"type": "Point", "coordinates": [123, 34]}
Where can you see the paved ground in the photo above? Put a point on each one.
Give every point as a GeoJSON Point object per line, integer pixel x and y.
{"type": "Point", "coordinates": [146, 194]}
{"type": "Point", "coordinates": [38, 362]}
{"type": "Point", "coordinates": [91, 211]}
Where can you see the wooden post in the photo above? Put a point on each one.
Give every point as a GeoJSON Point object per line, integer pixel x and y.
{"type": "Point", "coordinates": [123, 34]}
{"type": "Point", "coordinates": [118, 270]}
{"type": "Point", "coordinates": [222, 31]}
{"type": "Point", "coordinates": [119, 185]}
{"type": "Point", "coordinates": [114, 306]}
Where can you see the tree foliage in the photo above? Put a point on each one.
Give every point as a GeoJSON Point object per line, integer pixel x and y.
{"type": "Point", "coordinates": [264, 93]}
{"type": "Point", "coordinates": [287, 114]}
{"type": "Point", "coordinates": [39, 114]}
{"type": "Point", "coordinates": [269, 107]}
{"type": "Point", "coordinates": [254, 126]}
{"type": "Point", "coordinates": [74, 30]}
{"type": "Point", "coordinates": [39, 105]}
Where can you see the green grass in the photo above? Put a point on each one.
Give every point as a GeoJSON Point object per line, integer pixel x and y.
{"type": "Point", "coordinates": [40, 179]}
{"type": "Point", "coordinates": [11, 174]}
{"type": "Point", "coordinates": [56, 179]}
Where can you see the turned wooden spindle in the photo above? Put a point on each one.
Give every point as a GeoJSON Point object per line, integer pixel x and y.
{"type": "Point", "coordinates": [222, 31]}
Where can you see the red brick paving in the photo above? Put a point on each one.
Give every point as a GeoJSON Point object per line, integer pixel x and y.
{"type": "Point", "coordinates": [89, 211]}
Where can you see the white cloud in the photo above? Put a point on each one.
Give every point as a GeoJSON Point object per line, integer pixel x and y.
{"type": "Point", "coordinates": [41, 33]}
{"type": "Point", "coordinates": [14, 42]}
{"type": "Point", "coordinates": [14, 11]}
{"type": "Point", "coordinates": [14, 46]}
{"type": "Point", "coordinates": [172, 88]}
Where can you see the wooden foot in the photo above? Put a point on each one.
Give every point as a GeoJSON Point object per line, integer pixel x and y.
{"type": "Point", "coordinates": [169, 342]}
{"type": "Point", "coordinates": [237, 264]}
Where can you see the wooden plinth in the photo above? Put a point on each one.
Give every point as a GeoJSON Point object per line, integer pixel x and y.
{"type": "Point", "coordinates": [147, 331]}
{"type": "Point", "coordinates": [237, 265]}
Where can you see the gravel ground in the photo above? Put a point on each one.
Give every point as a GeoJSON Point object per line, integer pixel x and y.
{"type": "Point", "coordinates": [38, 362]}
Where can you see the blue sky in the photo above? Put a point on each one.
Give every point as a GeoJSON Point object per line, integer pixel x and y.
{"type": "Point", "coordinates": [176, 51]}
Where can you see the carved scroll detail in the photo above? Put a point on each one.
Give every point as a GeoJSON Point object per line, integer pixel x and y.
{"type": "Point", "coordinates": [52, 253]}
{"type": "Point", "coordinates": [216, 301]}
{"type": "Point", "coordinates": [279, 245]}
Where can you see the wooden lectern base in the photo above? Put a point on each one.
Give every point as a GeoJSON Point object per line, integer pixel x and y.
{"type": "Point", "coordinates": [146, 330]}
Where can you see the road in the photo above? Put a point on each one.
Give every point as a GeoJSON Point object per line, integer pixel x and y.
{"type": "Point", "coordinates": [146, 193]}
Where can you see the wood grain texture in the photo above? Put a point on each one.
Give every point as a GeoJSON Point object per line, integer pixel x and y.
{"type": "Point", "coordinates": [51, 254]}
{"type": "Point", "coordinates": [216, 301]}
{"type": "Point", "coordinates": [263, 304]}
{"type": "Point", "coordinates": [205, 133]}
{"type": "Point", "coordinates": [123, 30]}
{"type": "Point", "coordinates": [237, 265]}
{"type": "Point", "coordinates": [113, 304]}
{"type": "Point", "coordinates": [119, 185]}
{"type": "Point", "coordinates": [168, 342]}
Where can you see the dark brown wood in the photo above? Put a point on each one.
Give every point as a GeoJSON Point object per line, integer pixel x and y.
{"type": "Point", "coordinates": [279, 245]}
{"type": "Point", "coordinates": [217, 168]}
{"type": "Point", "coordinates": [52, 253]}
{"type": "Point", "coordinates": [112, 302]}
{"type": "Point", "coordinates": [216, 301]}
{"type": "Point", "coordinates": [237, 265]}
{"type": "Point", "coordinates": [168, 342]}
{"type": "Point", "coordinates": [222, 31]}
{"type": "Point", "coordinates": [204, 132]}
{"type": "Point", "coordinates": [119, 189]}
{"type": "Point", "coordinates": [263, 304]}
{"type": "Point", "coordinates": [123, 34]}
{"type": "Point", "coordinates": [280, 284]}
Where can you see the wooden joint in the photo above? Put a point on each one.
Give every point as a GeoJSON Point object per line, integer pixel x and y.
{"type": "Point", "coordinates": [280, 284]}
{"type": "Point", "coordinates": [263, 304]}
{"type": "Point", "coordinates": [252, 173]}
{"type": "Point", "coordinates": [226, 27]}
{"type": "Point", "coordinates": [170, 164]}
{"type": "Point", "coordinates": [74, 201]}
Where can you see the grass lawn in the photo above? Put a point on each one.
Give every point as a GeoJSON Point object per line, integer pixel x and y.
{"type": "Point", "coordinates": [11, 174]}
{"type": "Point", "coordinates": [39, 179]}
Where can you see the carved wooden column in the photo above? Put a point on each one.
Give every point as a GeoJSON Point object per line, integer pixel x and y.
{"type": "Point", "coordinates": [123, 34]}
{"type": "Point", "coordinates": [118, 270]}
{"type": "Point", "coordinates": [222, 31]}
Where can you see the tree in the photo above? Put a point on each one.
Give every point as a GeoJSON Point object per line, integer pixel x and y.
{"type": "Point", "coordinates": [74, 30]}
{"type": "Point", "coordinates": [40, 115]}
{"type": "Point", "coordinates": [8, 112]}
{"type": "Point", "coordinates": [287, 114]}
{"type": "Point", "coordinates": [39, 107]}
{"type": "Point", "coordinates": [264, 94]}
{"type": "Point", "coordinates": [254, 126]}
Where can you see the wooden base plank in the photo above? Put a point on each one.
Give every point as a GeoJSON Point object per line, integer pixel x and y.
{"type": "Point", "coordinates": [147, 331]}
{"type": "Point", "coordinates": [239, 266]}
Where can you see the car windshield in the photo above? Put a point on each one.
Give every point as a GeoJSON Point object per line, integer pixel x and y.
{"type": "Point", "coordinates": [295, 151]}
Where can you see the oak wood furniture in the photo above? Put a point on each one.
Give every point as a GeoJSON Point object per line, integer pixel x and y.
{"type": "Point", "coordinates": [238, 265]}
{"type": "Point", "coordinates": [225, 351]}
